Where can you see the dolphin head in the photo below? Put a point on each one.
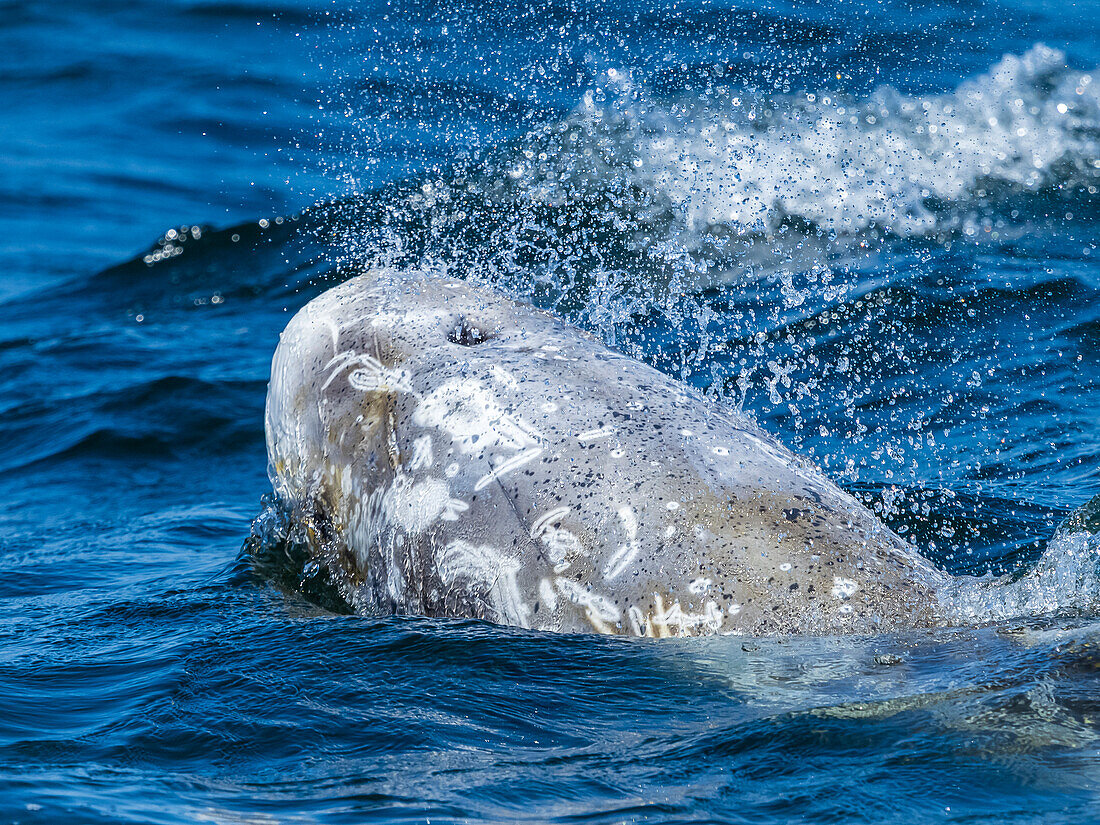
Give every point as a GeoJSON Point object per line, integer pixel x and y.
{"type": "Point", "coordinates": [353, 351]}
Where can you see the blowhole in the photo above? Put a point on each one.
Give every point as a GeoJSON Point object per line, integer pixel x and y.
{"type": "Point", "coordinates": [468, 334]}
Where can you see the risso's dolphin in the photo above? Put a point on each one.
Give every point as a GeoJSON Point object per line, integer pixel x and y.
{"type": "Point", "coordinates": [451, 452]}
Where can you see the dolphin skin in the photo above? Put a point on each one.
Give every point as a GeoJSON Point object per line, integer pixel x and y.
{"type": "Point", "coordinates": [452, 452]}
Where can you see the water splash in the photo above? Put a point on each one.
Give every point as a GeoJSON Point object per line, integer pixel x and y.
{"type": "Point", "coordinates": [621, 208]}
{"type": "Point", "coordinates": [748, 164]}
{"type": "Point", "coordinates": [1065, 580]}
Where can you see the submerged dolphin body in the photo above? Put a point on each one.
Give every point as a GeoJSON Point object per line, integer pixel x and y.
{"type": "Point", "coordinates": [452, 452]}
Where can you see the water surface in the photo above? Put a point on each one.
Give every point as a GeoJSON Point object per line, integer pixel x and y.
{"type": "Point", "coordinates": [874, 226]}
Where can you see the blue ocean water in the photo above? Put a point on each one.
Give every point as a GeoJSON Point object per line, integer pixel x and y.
{"type": "Point", "coordinates": [874, 226]}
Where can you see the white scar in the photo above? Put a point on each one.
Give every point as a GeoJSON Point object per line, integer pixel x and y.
{"type": "Point", "coordinates": [514, 463]}
{"type": "Point", "coordinates": [371, 376]}
{"type": "Point", "coordinates": [710, 619]}
{"type": "Point", "coordinates": [548, 596]}
{"type": "Point", "coordinates": [422, 453]}
{"type": "Point", "coordinates": [600, 610]}
{"type": "Point", "coordinates": [503, 377]}
{"type": "Point", "coordinates": [334, 328]}
{"type": "Point", "coordinates": [471, 415]}
{"type": "Point", "coordinates": [493, 571]}
{"type": "Point", "coordinates": [843, 588]}
{"type": "Point", "coordinates": [593, 435]}
{"type": "Point", "coordinates": [546, 519]}
{"type": "Point", "coordinates": [417, 506]}
{"type": "Point", "coordinates": [626, 553]}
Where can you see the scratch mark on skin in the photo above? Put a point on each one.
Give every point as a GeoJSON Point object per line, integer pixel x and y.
{"type": "Point", "coordinates": [514, 463]}
{"type": "Point", "coordinates": [548, 596]}
{"type": "Point", "coordinates": [560, 543]}
{"type": "Point", "coordinates": [690, 623]}
{"type": "Point", "coordinates": [493, 570]}
{"type": "Point", "coordinates": [417, 506]}
{"type": "Point", "coordinates": [473, 417]}
{"type": "Point", "coordinates": [626, 553]}
{"type": "Point", "coordinates": [334, 328]}
{"type": "Point", "coordinates": [511, 503]}
{"type": "Point", "coordinates": [593, 435]}
{"type": "Point", "coordinates": [599, 610]}
{"type": "Point", "coordinates": [374, 376]}
{"type": "Point", "coordinates": [337, 363]}
{"type": "Point", "coordinates": [546, 519]}
{"type": "Point", "coordinates": [371, 376]}
{"type": "Point", "coordinates": [503, 376]}
{"type": "Point", "coordinates": [422, 453]}
{"type": "Point", "coordinates": [657, 621]}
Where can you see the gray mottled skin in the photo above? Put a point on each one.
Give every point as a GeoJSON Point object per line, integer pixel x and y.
{"type": "Point", "coordinates": [455, 453]}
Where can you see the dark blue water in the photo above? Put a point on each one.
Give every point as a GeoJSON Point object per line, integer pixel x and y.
{"type": "Point", "coordinates": [873, 225]}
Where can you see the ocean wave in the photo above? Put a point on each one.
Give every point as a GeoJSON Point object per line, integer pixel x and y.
{"type": "Point", "coordinates": [155, 417]}
{"type": "Point", "coordinates": [739, 161]}
{"type": "Point", "coordinates": [1064, 581]}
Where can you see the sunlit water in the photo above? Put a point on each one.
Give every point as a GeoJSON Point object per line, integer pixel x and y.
{"type": "Point", "coordinates": [872, 226]}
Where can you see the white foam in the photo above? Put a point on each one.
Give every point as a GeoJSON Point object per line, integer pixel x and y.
{"type": "Point", "coordinates": [747, 163]}
{"type": "Point", "coordinates": [1066, 579]}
